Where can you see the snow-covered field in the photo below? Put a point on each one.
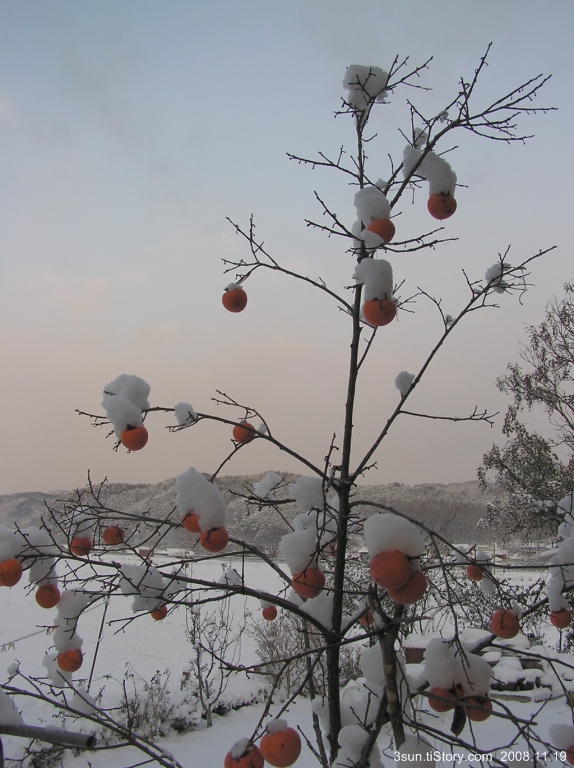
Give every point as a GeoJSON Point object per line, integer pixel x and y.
{"type": "Point", "coordinates": [143, 647]}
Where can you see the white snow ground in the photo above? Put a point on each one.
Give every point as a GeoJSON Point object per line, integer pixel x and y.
{"type": "Point", "coordinates": [149, 646]}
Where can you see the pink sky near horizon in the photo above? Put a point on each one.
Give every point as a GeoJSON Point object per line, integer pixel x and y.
{"type": "Point", "coordinates": [128, 133]}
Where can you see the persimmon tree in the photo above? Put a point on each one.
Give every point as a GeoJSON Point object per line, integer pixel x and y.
{"type": "Point", "coordinates": [413, 575]}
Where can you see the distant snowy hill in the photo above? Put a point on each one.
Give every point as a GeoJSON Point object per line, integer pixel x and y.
{"type": "Point", "coordinates": [450, 509]}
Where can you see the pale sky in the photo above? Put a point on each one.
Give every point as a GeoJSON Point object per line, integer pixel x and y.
{"type": "Point", "coordinates": [129, 130]}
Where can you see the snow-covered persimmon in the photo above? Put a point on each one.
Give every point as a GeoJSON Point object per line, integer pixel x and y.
{"type": "Point", "coordinates": [214, 540]}
{"type": "Point", "coordinates": [251, 758]}
{"type": "Point", "coordinates": [113, 534]}
{"type": "Point", "coordinates": [134, 438]}
{"type": "Point", "coordinates": [81, 546]}
{"type": "Point", "coordinates": [309, 582]}
{"type": "Point", "coordinates": [441, 206]}
{"type": "Point", "coordinates": [478, 708]}
{"type": "Point", "coordinates": [412, 591]}
{"type": "Point", "coordinates": [10, 572]}
{"type": "Point", "coordinates": [390, 569]}
{"type": "Point", "coordinates": [505, 624]}
{"type": "Point", "coordinates": [244, 432]}
{"type": "Point", "coordinates": [191, 522]}
{"type": "Point", "coordinates": [159, 613]}
{"type": "Point", "coordinates": [384, 228]}
{"type": "Point", "coordinates": [47, 595]}
{"type": "Point", "coordinates": [379, 312]}
{"type": "Point", "coordinates": [70, 661]}
{"type": "Point", "coordinates": [280, 748]}
{"type": "Point", "coordinates": [561, 619]}
{"type": "Point", "coordinates": [474, 572]}
{"type": "Point", "coordinates": [441, 699]}
{"type": "Point", "coordinates": [269, 613]}
{"type": "Point", "coordinates": [234, 299]}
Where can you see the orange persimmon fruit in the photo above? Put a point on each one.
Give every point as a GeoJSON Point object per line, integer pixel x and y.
{"type": "Point", "coordinates": [474, 572]}
{"type": "Point", "coordinates": [191, 522]}
{"type": "Point", "coordinates": [10, 572]}
{"type": "Point", "coordinates": [367, 619]}
{"type": "Point", "coordinates": [441, 206]}
{"type": "Point", "coordinates": [47, 595]}
{"type": "Point", "coordinates": [570, 754]}
{"type": "Point", "coordinates": [159, 613]}
{"type": "Point", "coordinates": [244, 432]}
{"type": "Point", "coordinates": [281, 748]}
{"type": "Point", "coordinates": [70, 661]}
{"type": "Point", "coordinates": [478, 708]}
{"type": "Point", "coordinates": [134, 438]}
{"type": "Point", "coordinates": [390, 569]}
{"type": "Point", "coordinates": [113, 534]}
{"type": "Point", "coordinates": [412, 591]}
{"type": "Point", "coordinates": [561, 619]}
{"type": "Point", "coordinates": [251, 758]}
{"type": "Point", "coordinates": [505, 624]}
{"type": "Point", "coordinates": [269, 613]}
{"type": "Point", "coordinates": [384, 228]}
{"type": "Point", "coordinates": [309, 582]}
{"type": "Point", "coordinates": [81, 545]}
{"type": "Point", "coordinates": [379, 312]}
{"type": "Point", "coordinates": [215, 539]}
{"type": "Point", "coordinates": [441, 699]}
{"type": "Point", "coordinates": [234, 300]}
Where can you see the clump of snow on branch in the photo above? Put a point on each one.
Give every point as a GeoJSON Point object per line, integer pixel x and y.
{"type": "Point", "coordinates": [494, 276]}
{"type": "Point", "coordinates": [435, 169]}
{"type": "Point", "coordinates": [146, 584]}
{"type": "Point", "coordinates": [371, 205]}
{"type": "Point", "coordinates": [231, 578]}
{"type": "Point", "coordinates": [308, 493]}
{"type": "Point", "coordinates": [69, 609]}
{"type": "Point", "coordinates": [377, 277]}
{"type": "Point", "coordinates": [445, 668]}
{"type": "Point", "coordinates": [8, 544]}
{"type": "Point", "coordinates": [65, 637]}
{"type": "Point", "coordinates": [124, 400]}
{"type": "Point", "coordinates": [263, 488]}
{"type": "Point", "coordinates": [239, 748]}
{"type": "Point", "coordinates": [9, 715]}
{"type": "Point", "coordinates": [184, 414]}
{"type": "Point", "coordinates": [442, 669]}
{"type": "Point", "coordinates": [299, 548]}
{"type": "Point", "coordinates": [352, 739]}
{"type": "Point", "coordinates": [403, 382]}
{"type": "Point", "coordinates": [194, 493]}
{"type": "Point", "coordinates": [37, 546]}
{"type": "Point", "coordinates": [133, 388]}
{"type": "Point", "coordinates": [321, 609]}
{"type": "Point", "coordinates": [84, 703]}
{"type": "Point", "coordinates": [82, 523]}
{"type": "Point", "coordinates": [439, 174]}
{"type": "Point", "coordinates": [316, 514]}
{"type": "Point", "coordinates": [371, 663]}
{"type": "Point", "coordinates": [384, 532]}
{"type": "Point", "coordinates": [364, 84]}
